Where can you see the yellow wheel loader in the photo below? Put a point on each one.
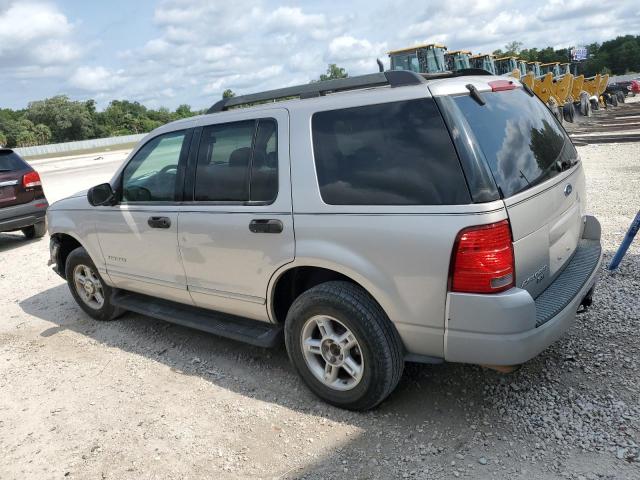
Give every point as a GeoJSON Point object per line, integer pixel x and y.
{"type": "Point", "coordinates": [484, 61]}
{"type": "Point", "coordinates": [457, 60]}
{"type": "Point", "coordinates": [507, 66]}
{"type": "Point", "coordinates": [428, 58]}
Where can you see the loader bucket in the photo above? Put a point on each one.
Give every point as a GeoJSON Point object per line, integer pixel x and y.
{"type": "Point", "coordinates": [591, 85]}
{"type": "Point", "coordinates": [576, 88]}
{"type": "Point", "coordinates": [602, 86]}
{"type": "Point", "coordinates": [543, 87]}
{"type": "Point", "coordinates": [528, 80]}
{"type": "Point", "coordinates": [562, 87]}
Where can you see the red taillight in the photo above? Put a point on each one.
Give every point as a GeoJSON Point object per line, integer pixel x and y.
{"type": "Point", "coordinates": [499, 85]}
{"type": "Point", "coordinates": [31, 179]}
{"type": "Point", "coordinates": [482, 260]}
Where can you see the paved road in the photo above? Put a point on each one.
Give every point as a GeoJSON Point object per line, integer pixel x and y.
{"type": "Point", "coordinates": [62, 177]}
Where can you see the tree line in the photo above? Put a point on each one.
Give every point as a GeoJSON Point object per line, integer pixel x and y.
{"type": "Point", "coordinates": [618, 56]}
{"type": "Point", "coordinates": [60, 119]}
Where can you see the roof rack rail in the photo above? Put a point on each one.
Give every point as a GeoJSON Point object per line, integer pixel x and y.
{"type": "Point", "coordinates": [392, 78]}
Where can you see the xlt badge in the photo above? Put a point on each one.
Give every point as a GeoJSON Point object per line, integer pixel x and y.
{"type": "Point", "coordinates": [537, 276]}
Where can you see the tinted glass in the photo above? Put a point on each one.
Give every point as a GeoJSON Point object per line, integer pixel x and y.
{"type": "Point", "coordinates": [152, 173]}
{"type": "Point", "coordinates": [264, 168]}
{"type": "Point", "coordinates": [396, 153]}
{"type": "Point", "coordinates": [520, 138]}
{"type": "Point", "coordinates": [222, 173]}
{"type": "Point", "coordinates": [10, 161]}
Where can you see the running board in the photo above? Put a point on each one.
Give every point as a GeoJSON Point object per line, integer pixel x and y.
{"type": "Point", "coordinates": [254, 332]}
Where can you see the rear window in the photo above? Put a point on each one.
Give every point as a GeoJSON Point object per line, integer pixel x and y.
{"type": "Point", "coordinates": [10, 161]}
{"type": "Point", "coordinates": [522, 141]}
{"type": "Point", "coordinates": [396, 153]}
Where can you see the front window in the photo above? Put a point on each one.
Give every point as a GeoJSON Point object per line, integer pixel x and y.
{"type": "Point", "coordinates": [152, 173]}
{"type": "Point", "coordinates": [408, 61]}
{"type": "Point", "coordinates": [435, 59]}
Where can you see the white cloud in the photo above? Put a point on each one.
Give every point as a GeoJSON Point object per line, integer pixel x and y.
{"type": "Point", "coordinates": [198, 48]}
{"type": "Point", "coordinates": [35, 34]}
{"type": "Point", "coordinates": [96, 79]}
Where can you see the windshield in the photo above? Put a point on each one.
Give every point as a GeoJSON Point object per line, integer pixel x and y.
{"type": "Point", "coordinates": [435, 60]}
{"type": "Point", "coordinates": [407, 61]}
{"type": "Point", "coordinates": [521, 140]}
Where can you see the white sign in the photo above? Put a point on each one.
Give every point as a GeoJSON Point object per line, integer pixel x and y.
{"type": "Point", "coordinates": [579, 53]}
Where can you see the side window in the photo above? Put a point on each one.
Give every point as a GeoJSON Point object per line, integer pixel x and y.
{"type": "Point", "coordinates": [152, 173]}
{"type": "Point", "coordinates": [397, 153]}
{"type": "Point", "coordinates": [222, 172]}
{"type": "Point", "coordinates": [238, 162]}
{"type": "Point", "coordinates": [264, 168]}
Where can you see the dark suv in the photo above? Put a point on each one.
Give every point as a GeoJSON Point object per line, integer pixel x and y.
{"type": "Point", "coordinates": [22, 202]}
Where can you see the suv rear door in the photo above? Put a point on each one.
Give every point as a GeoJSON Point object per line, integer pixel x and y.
{"type": "Point", "coordinates": [12, 169]}
{"type": "Point", "coordinates": [537, 171]}
{"type": "Point", "coordinates": [237, 228]}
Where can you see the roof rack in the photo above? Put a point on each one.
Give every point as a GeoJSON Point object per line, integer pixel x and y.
{"type": "Point", "coordinates": [392, 78]}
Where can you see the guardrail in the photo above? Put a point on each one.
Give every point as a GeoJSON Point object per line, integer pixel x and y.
{"type": "Point", "coordinates": [67, 147]}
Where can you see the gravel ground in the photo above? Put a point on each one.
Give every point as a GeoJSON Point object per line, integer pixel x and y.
{"type": "Point", "coordinates": [139, 398]}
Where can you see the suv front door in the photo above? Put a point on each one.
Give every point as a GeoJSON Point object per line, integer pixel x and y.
{"type": "Point", "coordinates": [138, 236]}
{"type": "Point", "coordinates": [238, 228]}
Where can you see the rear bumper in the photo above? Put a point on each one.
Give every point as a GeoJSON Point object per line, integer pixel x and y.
{"type": "Point", "coordinates": [511, 327]}
{"type": "Point", "coordinates": [23, 215]}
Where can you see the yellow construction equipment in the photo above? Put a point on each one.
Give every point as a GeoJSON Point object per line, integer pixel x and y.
{"type": "Point", "coordinates": [427, 58]}
{"type": "Point", "coordinates": [457, 60]}
{"type": "Point", "coordinates": [484, 61]}
{"type": "Point", "coordinates": [534, 67]}
{"type": "Point", "coordinates": [507, 66]}
{"type": "Point", "coordinates": [553, 67]}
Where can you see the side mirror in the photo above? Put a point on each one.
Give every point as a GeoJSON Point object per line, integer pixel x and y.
{"type": "Point", "coordinates": [101, 194]}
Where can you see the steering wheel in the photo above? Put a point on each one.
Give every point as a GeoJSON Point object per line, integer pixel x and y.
{"type": "Point", "coordinates": [138, 193]}
{"type": "Point", "coordinates": [168, 168]}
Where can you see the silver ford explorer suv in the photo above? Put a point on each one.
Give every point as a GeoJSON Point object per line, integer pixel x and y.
{"type": "Point", "coordinates": [372, 220]}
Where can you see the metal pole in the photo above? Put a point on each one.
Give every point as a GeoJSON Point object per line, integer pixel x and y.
{"type": "Point", "coordinates": [626, 242]}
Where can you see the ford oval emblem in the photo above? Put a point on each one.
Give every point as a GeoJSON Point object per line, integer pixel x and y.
{"type": "Point", "coordinates": [568, 189]}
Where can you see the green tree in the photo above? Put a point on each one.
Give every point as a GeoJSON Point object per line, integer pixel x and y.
{"type": "Point", "coordinates": [68, 120]}
{"type": "Point", "coordinates": [3, 140]}
{"type": "Point", "coordinates": [513, 48]}
{"type": "Point", "coordinates": [42, 133]}
{"type": "Point", "coordinates": [26, 138]}
{"type": "Point", "coordinates": [228, 93]}
{"type": "Point", "coordinates": [333, 72]}
{"type": "Point", "coordinates": [184, 111]}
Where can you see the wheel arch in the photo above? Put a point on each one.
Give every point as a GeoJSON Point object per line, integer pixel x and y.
{"type": "Point", "coordinates": [68, 242]}
{"type": "Point", "coordinates": [295, 278]}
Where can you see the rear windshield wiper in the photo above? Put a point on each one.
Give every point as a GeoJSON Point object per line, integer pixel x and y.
{"type": "Point", "coordinates": [475, 94]}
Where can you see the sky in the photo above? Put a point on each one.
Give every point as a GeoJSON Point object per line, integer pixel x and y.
{"type": "Point", "coordinates": [170, 52]}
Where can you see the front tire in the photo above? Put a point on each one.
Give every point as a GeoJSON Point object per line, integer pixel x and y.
{"type": "Point", "coordinates": [87, 287]}
{"type": "Point", "coordinates": [343, 345]}
{"type": "Point", "coordinates": [37, 230]}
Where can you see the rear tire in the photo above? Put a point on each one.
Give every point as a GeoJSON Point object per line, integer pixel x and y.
{"type": "Point", "coordinates": [621, 97]}
{"type": "Point", "coordinates": [343, 345]}
{"type": "Point", "coordinates": [585, 105]}
{"type": "Point", "coordinates": [87, 287]}
{"type": "Point", "coordinates": [613, 100]}
{"type": "Point", "coordinates": [37, 230]}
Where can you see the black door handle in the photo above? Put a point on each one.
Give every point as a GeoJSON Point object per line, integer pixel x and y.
{"type": "Point", "coordinates": [159, 222]}
{"type": "Point", "coordinates": [266, 226]}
